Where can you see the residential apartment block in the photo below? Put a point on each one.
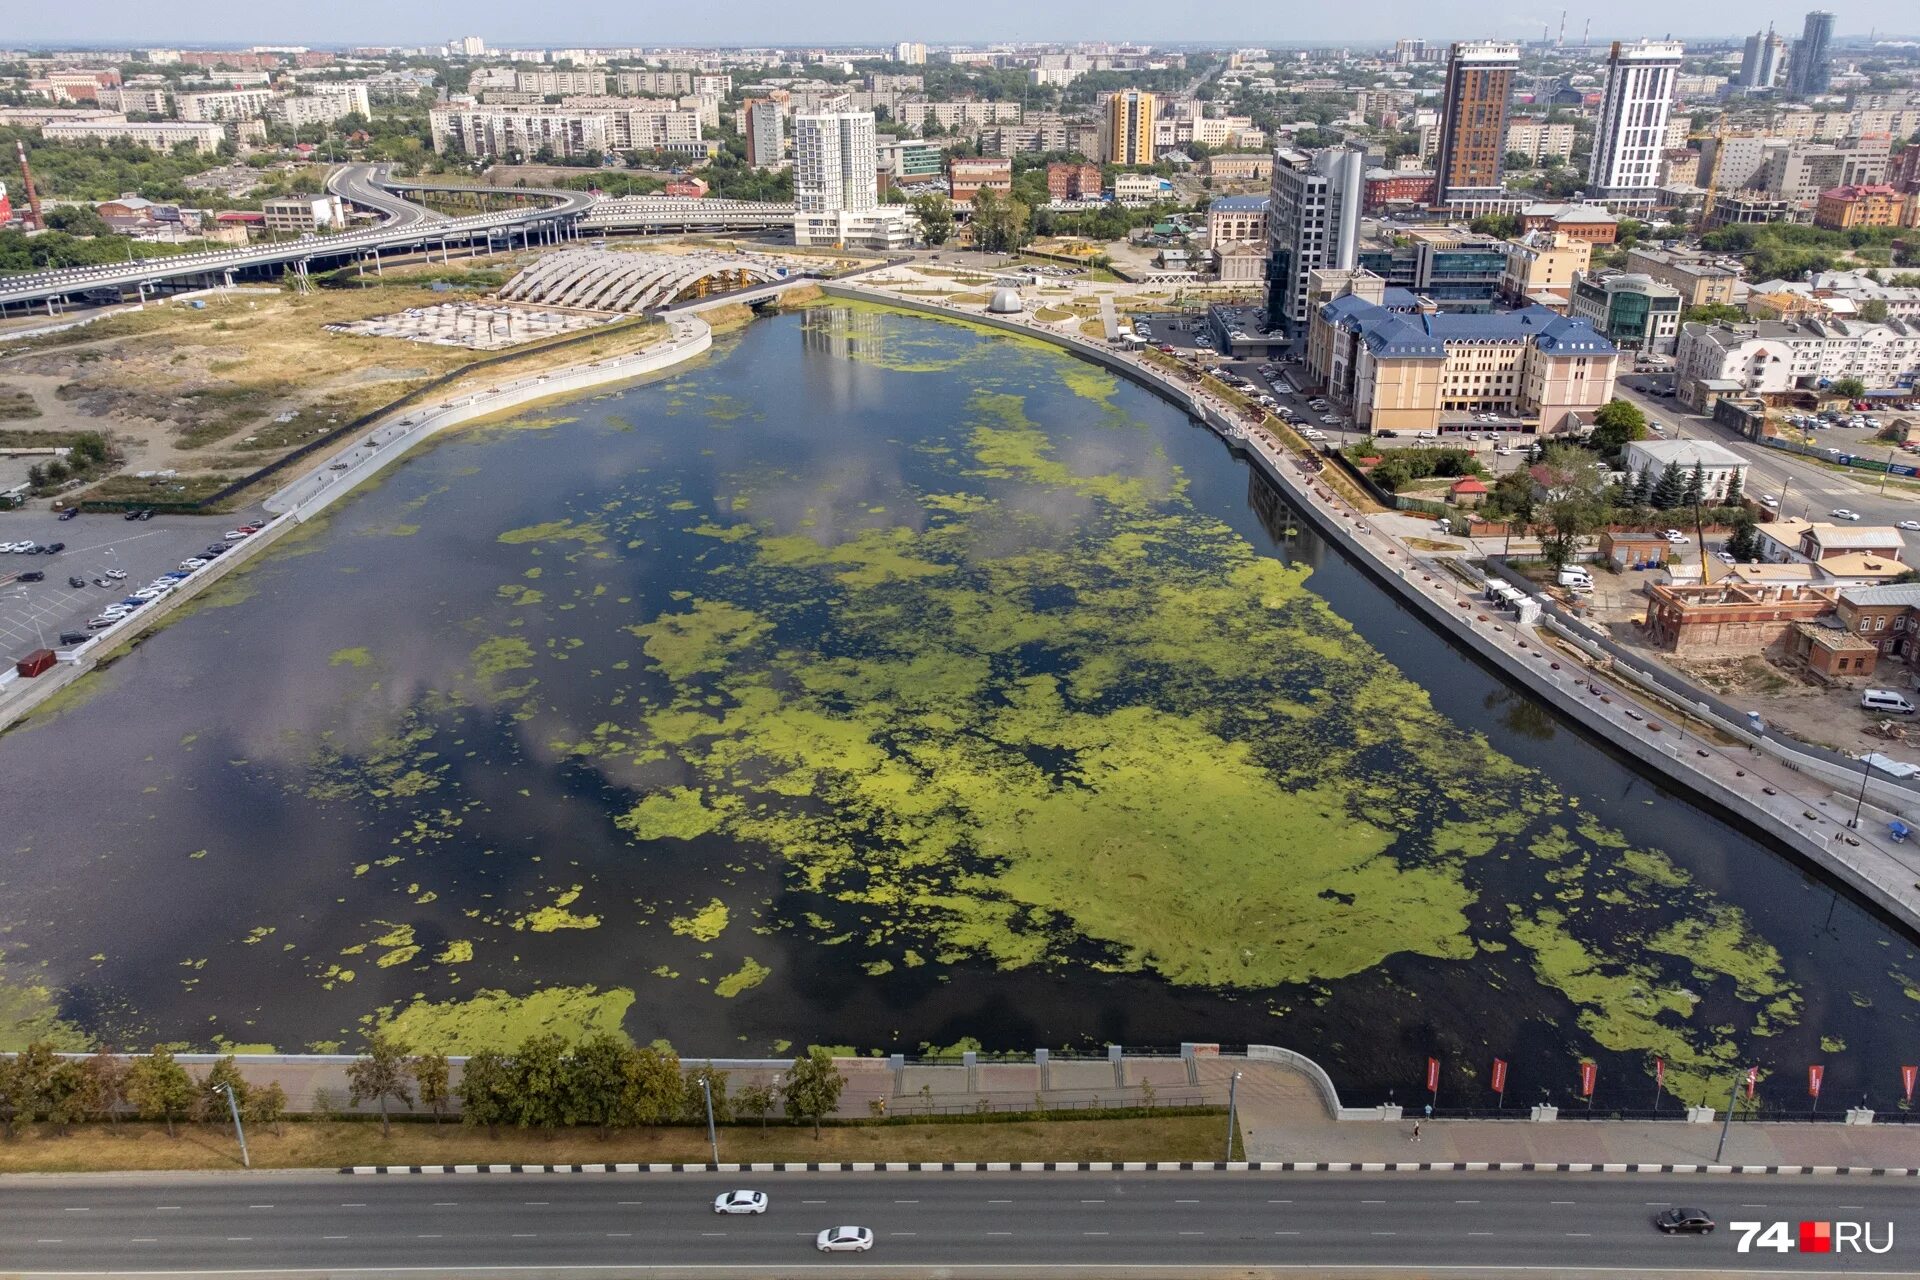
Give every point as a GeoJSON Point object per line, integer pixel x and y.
{"type": "Point", "coordinates": [161, 135]}
{"type": "Point", "coordinates": [1774, 358]}
{"type": "Point", "coordinates": [1701, 278]}
{"type": "Point", "coordinates": [1539, 141]}
{"type": "Point", "coordinates": [224, 104]}
{"type": "Point", "coordinates": [1129, 128]}
{"type": "Point", "coordinates": [1473, 129]}
{"type": "Point", "coordinates": [1843, 208]}
{"type": "Point", "coordinates": [836, 184]}
{"type": "Point", "coordinates": [1541, 266]}
{"type": "Point", "coordinates": [1624, 170]}
{"type": "Point", "coordinates": [1067, 180]}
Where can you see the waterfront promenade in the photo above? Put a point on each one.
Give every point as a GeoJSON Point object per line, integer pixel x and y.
{"type": "Point", "coordinates": [1285, 1113]}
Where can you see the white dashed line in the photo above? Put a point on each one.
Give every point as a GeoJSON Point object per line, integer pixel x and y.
{"type": "Point", "coordinates": [80, 1210]}
{"type": "Point", "coordinates": [239, 1239]}
{"type": "Point", "coordinates": [49, 1241]}
{"type": "Point", "coordinates": [1093, 1233]}
{"type": "Point", "coordinates": [259, 1206]}
{"type": "Point", "coordinates": [144, 1240]}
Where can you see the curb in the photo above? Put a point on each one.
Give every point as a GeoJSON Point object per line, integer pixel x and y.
{"type": "Point", "coordinates": [1137, 1166]}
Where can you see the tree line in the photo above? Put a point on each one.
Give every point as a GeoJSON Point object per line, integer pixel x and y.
{"type": "Point", "coordinates": [603, 1082]}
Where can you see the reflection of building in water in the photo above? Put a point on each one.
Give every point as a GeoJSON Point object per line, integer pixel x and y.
{"type": "Point", "coordinates": [845, 333]}
{"type": "Point", "coordinates": [1289, 530]}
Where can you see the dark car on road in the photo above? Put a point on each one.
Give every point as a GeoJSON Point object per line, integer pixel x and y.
{"type": "Point", "coordinates": [32, 575]}
{"type": "Point", "coordinates": [76, 582]}
{"type": "Point", "coordinates": [1675, 1221]}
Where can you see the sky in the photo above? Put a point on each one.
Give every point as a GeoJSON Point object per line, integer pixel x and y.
{"type": "Point", "coordinates": [775, 22]}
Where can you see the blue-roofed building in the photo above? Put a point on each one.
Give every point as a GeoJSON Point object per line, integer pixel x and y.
{"type": "Point", "coordinates": [1426, 369]}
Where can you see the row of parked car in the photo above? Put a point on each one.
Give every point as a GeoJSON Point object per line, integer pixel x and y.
{"type": "Point", "coordinates": [32, 548]}
{"type": "Point", "coordinates": [155, 590]}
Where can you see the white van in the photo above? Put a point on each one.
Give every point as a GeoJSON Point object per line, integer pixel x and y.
{"type": "Point", "coordinates": [1574, 576]}
{"type": "Point", "coordinates": [1886, 701]}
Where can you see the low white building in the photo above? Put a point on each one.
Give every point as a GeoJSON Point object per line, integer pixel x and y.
{"type": "Point", "coordinates": [1718, 466]}
{"type": "Point", "coordinates": [302, 214]}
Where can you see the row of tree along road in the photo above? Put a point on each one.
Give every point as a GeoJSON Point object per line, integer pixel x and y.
{"type": "Point", "coordinates": [602, 1082]}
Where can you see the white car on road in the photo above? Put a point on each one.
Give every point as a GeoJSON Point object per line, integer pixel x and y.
{"type": "Point", "coordinates": [740, 1202]}
{"type": "Point", "coordinates": [844, 1240]}
{"type": "Point", "coordinates": [1910, 525]}
{"type": "Point", "coordinates": [1842, 513]}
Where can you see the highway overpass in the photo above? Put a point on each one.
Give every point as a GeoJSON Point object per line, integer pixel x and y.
{"type": "Point", "coordinates": [549, 218]}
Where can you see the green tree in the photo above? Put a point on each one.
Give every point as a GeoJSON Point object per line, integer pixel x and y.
{"type": "Point", "coordinates": [1642, 492]}
{"type": "Point", "coordinates": [78, 220]}
{"type": "Point", "coordinates": [1696, 486]}
{"type": "Point", "coordinates": [379, 1075]}
{"type": "Point", "coordinates": [1874, 311]}
{"type": "Point", "coordinates": [1000, 225]}
{"type": "Point", "coordinates": [26, 1083]}
{"type": "Point", "coordinates": [812, 1088]}
{"type": "Point", "coordinates": [1848, 388]}
{"type": "Point", "coordinates": [1573, 506]}
{"type": "Point", "coordinates": [266, 1106]}
{"type": "Point", "coordinates": [540, 1083]}
{"type": "Point", "coordinates": [160, 1088]}
{"type": "Point", "coordinates": [486, 1089]}
{"type": "Point", "coordinates": [696, 1103]}
{"type": "Point", "coordinates": [755, 1100]}
{"type": "Point", "coordinates": [430, 1072]}
{"type": "Point", "coordinates": [597, 1070]}
{"type": "Point", "coordinates": [106, 1085]}
{"type": "Point", "coordinates": [655, 1090]}
{"type": "Point", "coordinates": [1734, 494]}
{"type": "Point", "coordinates": [67, 1093]}
{"type": "Point", "coordinates": [210, 1107]}
{"type": "Point", "coordinates": [935, 213]}
{"type": "Point", "coordinates": [1714, 313]}
{"type": "Point", "coordinates": [1671, 490]}
{"type": "Point", "coordinates": [1743, 544]}
{"type": "Point", "coordinates": [1618, 423]}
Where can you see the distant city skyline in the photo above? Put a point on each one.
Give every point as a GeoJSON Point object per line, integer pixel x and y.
{"type": "Point", "coordinates": [760, 22]}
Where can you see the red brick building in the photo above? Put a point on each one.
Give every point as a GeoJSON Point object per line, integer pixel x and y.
{"type": "Point", "coordinates": [1068, 181]}
{"type": "Point", "coordinates": [969, 175]}
{"type": "Point", "coordinates": [1386, 187]}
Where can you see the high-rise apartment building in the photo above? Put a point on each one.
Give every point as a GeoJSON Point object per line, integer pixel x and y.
{"type": "Point", "coordinates": [1632, 132]}
{"type": "Point", "coordinates": [766, 142]}
{"type": "Point", "coordinates": [1811, 70]}
{"type": "Point", "coordinates": [1313, 222]}
{"type": "Point", "coordinates": [469, 46]}
{"type": "Point", "coordinates": [1130, 128]}
{"type": "Point", "coordinates": [836, 191]}
{"type": "Point", "coordinates": [911, 52]}
{"type": "Point", "coordinates": [1473, 126]}
{"type": "Point", "coordinates": [1760, 65]}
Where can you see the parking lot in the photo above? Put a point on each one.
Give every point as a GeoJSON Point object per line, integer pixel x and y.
{"type": "Point", "coordinates": [34, 614]}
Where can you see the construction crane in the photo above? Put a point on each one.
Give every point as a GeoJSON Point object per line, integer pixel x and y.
{"type": "Point", "coordinates": [32, 219]}
{"type": "Point", "coordinates": [1713, 180]}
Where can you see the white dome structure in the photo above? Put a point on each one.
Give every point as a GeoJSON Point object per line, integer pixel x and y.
{"type": "Point", "coordinates": [1005, 302]}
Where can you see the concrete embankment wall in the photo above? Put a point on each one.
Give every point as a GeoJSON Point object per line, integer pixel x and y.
{"type": "Point", "coordinates": [1895, 898]}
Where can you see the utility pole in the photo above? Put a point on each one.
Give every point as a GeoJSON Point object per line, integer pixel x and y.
{"type": "Point", "coordinates": [1727, 1124]}
{"type": "Point", "coordinates": [239, 1132]}
{"type": "Point", "coordinates": [713, 1138]}
{"type": "Point", "coordinates": [1233, 1099]}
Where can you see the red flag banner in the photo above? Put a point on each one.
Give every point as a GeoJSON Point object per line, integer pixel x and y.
{"type": "Point", "coordinates": [1500, 1077]}
{"type": "Point", "coordinates": [1588, 1071]}
{"type": "Point", "coordinates": [1660, 1073]}
{"type": "Point", "coordinates": [1814, 1076]}
{"type": "Point", "coordinates": [1753, 1078]}
{"type": "Point", "coordinates": [1433, 1075]}
{"type": "Point", "coordinates": [1907, 1075]}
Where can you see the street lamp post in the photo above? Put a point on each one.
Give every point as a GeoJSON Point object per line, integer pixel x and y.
{"type": "Point", "coordinates": [1233, 1110]}
{"type": "Point", "coordinates": [1727, 1124]}
{"type": "Point", "coordinates": [1866, 772]}
{"type": "Point", "coordinates": [239, 1132]}
{"type": "Point", "coordinates": [713, 1138]}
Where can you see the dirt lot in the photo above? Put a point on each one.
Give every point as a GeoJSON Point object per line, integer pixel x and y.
{"type": "Point", "coordinates": [230, 387]}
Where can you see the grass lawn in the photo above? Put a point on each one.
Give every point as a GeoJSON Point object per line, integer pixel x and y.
{"type": "Point", "coordinates": [332, 1144]}
{"type": "Point", "coordinates": [16, 404]}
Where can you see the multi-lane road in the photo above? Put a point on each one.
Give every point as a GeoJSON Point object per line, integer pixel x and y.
{"type": "Point", "coordinates": [1107, 1223]}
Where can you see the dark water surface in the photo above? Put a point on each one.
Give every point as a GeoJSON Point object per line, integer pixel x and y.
{"type": "Point", "coordinates": [879, 682]}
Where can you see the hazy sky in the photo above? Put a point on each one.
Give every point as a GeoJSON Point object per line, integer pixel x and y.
{"type": "Point", "coordinates": [615, 22]}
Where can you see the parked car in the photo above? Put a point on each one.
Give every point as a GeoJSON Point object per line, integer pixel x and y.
{"type": "Point", "coordinates": [1674, 536]}
{"type": "Point", "coordinates": [70, 513]}
{"type": "Point", "coordinates": [32, 575]}
{"type": "Point", "coordinates": [102, 622]}
{"type": "Point", "coordinates": [76, 582]}
{"type": "Point", "coordinates": [1771, 500]}
{"type": "Point", "coordinates": [1843, 513]}
{"type": "Point", "coordinates": [131, 515]}
{"type": "Point", "coordinates": [55, 548]}
{"type": "Point", "coordinates": [1911, 525]}
{"type": "Point", "coordinates": [194, 564]}
{"type": "Point", "coordinates": [74, 637]}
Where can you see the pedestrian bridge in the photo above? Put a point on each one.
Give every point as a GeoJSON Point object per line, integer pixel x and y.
{"type": "Point", "coordinates": [609, 280]}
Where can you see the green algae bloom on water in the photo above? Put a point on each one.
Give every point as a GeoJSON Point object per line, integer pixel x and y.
{"type": "Point", "coordinates": [947, 678]}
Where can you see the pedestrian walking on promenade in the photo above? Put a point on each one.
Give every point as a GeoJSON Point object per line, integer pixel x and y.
{"type": "Point", "coordinates": [1416, 1131]}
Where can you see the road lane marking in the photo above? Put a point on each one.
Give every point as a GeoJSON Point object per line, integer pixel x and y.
{"type": "Point", "coordinates": [49, 1241]}
{"type": "Point", "coordinates": [1373, 1202]}
{"type": "Point", "coordinates": [713, 1233]}
{"type": "Point", "coordinates": [1186, 1202]}
{"type": "Point", "coordinates": [903, 1233]}
{"type": "Point", "coordinates": [523, 1235]}
{"type": "Point", "coordinates": [446, 1204]}
{"type": "Point", "coordinates": [239, 1239]}
{"type": "Point", "coordinates": [541, 1203]}
{"type": "Point", "coordinates": [999, 1233]}
{"type": "Point", "coordinates": [1193, 1233]}
{"type": "Point", "coordinates": [429, 1237]}
{"type": "Point", "coordinates": [817, 1202]}
{"type": "Point", "coordinates": [989, 1202]}
{"type": "Point", "coordinates": [628, 1235]}
{"type": "Point", "coordinates": [1479, 1233]}
{"type": "Point", "coordinates": [144, 1240]}
{"type": "Point", "coordinates": [1466, 1202]}
{"type": "Point", "coordinates": [643, 1202]}
{"type": "Point", "coordinates": [357, 1204]}
{"type": "Point", "coordinates": [1559, 1202]}
{"type": "Point", "coordinates": [906, 1202]}
{"type": "Point", "coordinates": [1383, 1233]}
{"type": "Point", "coordinates": [1579, 1235]}
{"type": "Point", "coordinates": [80, 1210]}
{"type": "Point", "coordinates": [1658, 1204]}
{"type": "Point", "coordinates": [166, 1206]}
{"type": "Point", "coordinates": [334, 1237]}
{"type": "Point", "coordinates": [1286, 1233]}
{"type": "Point", "coordinates": [259, 1206]}
{"type": "Point", "coordinates": [1093, 1202]}
{"type": "Point", "coordinates": [1753, 1206]}
{"type": "Point", "coordinates": [1279, 1202]}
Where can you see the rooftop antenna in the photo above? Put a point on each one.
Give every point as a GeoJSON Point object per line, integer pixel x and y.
{"type": "Point", "coordinates": [33, 219]}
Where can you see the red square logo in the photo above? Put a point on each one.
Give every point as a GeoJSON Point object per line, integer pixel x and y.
{"type": "Point", "coordinates": [1816, 1237]}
